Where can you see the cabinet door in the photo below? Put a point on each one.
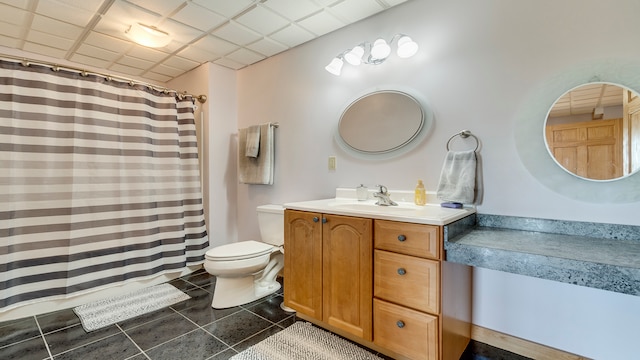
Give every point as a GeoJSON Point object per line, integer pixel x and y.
{"type": "Point", "coordinates": [303, 262]}
{"type": "Point", "coordinates": [347, 274]}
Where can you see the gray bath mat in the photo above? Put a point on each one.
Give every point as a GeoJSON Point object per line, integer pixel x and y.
{"type": "Point", "coordinates": [101, 313]}
{"type": "Point", "coordinates": [303, 341]}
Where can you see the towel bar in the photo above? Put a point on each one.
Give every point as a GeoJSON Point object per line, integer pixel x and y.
{"type": "Point", "coordinates": [464, 134]}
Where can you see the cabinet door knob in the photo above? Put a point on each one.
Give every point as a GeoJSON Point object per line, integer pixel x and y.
{"type": "Point", "coordinates": [402, 271]}
{"type": "Point", "coordinates": [402, 238]}
{"type": "Point", "coordinates": [316, 219]}
{"type": "Point", "coordinates": [400, 324]}
{"type": "Point", "coordinates": [324, 220]}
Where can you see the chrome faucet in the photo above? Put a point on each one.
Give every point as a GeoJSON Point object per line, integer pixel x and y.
{"type": "Point", "coordinates": [384, 197]}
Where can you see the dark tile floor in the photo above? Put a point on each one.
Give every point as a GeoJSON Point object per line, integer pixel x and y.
{"type": "Point", "coordinates": [188, 330]}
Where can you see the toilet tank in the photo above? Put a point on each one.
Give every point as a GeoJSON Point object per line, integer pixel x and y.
{"type": "Point", "coordinates": [271, 223]}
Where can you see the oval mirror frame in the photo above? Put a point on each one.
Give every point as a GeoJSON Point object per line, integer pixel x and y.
{"type": "Point", "coordinates": [382, 123]}
{"type": "Point", "coordinates": [591, 133]}
{"type": "Point", "coordinates": [531, 147]}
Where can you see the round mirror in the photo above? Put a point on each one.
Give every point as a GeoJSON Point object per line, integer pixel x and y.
{"type": "Point", "coordinates": [381, 122]}
{"type": "Point", "coordinates": [593, 131]}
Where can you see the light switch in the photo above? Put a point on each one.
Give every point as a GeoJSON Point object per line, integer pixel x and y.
{"type": "Point", "coordinates": [332, 162]}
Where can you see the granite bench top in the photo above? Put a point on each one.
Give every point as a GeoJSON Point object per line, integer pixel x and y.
{"type": "Point", "coordinates": [603, 256]}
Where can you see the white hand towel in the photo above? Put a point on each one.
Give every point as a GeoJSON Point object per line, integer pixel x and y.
{"type": "Point", "coordinates": [258, 170]}
{"type": "Point", "coordinates": [253, 141]}
{"type": "Point", "coordinates": [458, 177]}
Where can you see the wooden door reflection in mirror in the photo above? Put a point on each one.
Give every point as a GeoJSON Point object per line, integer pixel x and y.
{"type": "Point", "coordinates": [593, 131]}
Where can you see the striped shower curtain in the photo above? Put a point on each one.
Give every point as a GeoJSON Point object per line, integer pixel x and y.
{"type": "Point", "coordinates": [99, 184]}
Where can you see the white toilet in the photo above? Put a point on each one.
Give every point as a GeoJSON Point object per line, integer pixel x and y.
{"type": "Point", "coordinates": [246, 271]}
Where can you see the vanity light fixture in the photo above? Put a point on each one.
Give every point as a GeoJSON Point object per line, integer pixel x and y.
{"type": "Point", "coordinates": [149, 36]}
{"type": "Point", "coordinates": [373, 54]}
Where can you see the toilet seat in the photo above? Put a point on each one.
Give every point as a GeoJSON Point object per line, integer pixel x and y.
{"type": "Point", "coordinates": [239, 251]}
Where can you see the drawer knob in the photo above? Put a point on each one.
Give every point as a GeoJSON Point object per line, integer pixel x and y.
{"type": "Point", "coordinates": [316, 219]}
{"type": "Point", "coordinates": [324, 220]}
{"type": "Point", "coordinates": [402, 271]}
{"type": "Point", "coordinates": [402, 238]}
{"type": "Point", "coordinates": [400, 324]}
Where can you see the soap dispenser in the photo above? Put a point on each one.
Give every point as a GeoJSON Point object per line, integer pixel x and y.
{"type": "Point", "coordinates": [420, 195]}
{"type": "Point", "coordinates": [362, 192]}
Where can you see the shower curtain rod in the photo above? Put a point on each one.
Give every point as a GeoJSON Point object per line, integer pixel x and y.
{"type": "Point", "coordinates": [56, 67]}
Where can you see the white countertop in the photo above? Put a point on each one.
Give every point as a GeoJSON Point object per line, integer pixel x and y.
{"type": "Point", "coordinates": [431, 214]}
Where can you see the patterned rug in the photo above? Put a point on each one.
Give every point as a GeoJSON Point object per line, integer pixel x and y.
{"type": "Point", "coordinates": [303, 341]}
{"type": "Point", "coordinates": [105, 312]}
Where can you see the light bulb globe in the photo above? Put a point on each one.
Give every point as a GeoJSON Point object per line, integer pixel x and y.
{"type": "Point", "coordinates": [407, 47]}
{"type": "Point", "coordinates": [380, 49]}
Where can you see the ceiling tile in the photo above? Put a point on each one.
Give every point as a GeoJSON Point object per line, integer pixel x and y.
{"type": "Point", "coordinates": [55, 27]}
{"type": "Point", "coordinates": [13, 15]}
{"type": "Point", "coordinates": [262, 20]}
{"type": "Point", "coordinates": [44, 50]}
{"type": "Point", "coordinates": [64, 12]}
{"type": "Point", "coordinates": [321, 23]}
{"type": "Point", "coordinates": [88, 5]}
{"type": "Point", "coordinates": [91, 61]}
{"type": "Point", "coordinates": [24, 4]}
{"type": "Point", "coordinates": [135, 62]}
{"type": "Point", "coordinates": [215, 45]}
{"type": "Point", "coordinates": [181, 63]}
{"type": "Point", "coordinates": [236, 33]}
{"type": "Point", "coordinates": [98, 53]}
{"type": "Point", "coordinates": [126, 69]}
{"type": "Point", "coordinates": [181, 33]}
{"type": "Point", "coordinates": [394, 2]}
{"type": "Point", "coordinates": [354, 10]}
{"type": "Point", "coordinates": [107, 42]}
{"type": "Point", "coordinates": [267, 47]}
{"type": "Point", "coordinates": [163, 7]}
{"type": "Point", "coordinates": [197, 54]}
{"type": "Point", "coordinates": [8, 41]}
{"type": "Point", "coordinates": [293, 10]}
{"type": "Point", "coordinates": [49, 40]}
{"type": "Point", "coordinates": [146, 53]}
{"type": "Point", "coordinates": [167, 70]}
{"type": "Point", "coordinates": [245, 56]}
{"type": "Point", "coordinates": [11, 30]}
{"type": "Point", "coordinates": [292, 35]}
{"type": "Point", "coordinates": [225, 7]}
{"type": "Point", "coordinates": [157, 77]}
{"type": "Point", "coordinates": [229, 63]}
{"type": "Point", "coordinates": [199, 17]}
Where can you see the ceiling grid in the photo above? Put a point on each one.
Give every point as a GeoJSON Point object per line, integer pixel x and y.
{"type": "Point", "coordinates": [233, 34]}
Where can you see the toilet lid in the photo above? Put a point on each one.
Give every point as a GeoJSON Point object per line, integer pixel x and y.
{"type": "Point", "coordinates": [238, 251]}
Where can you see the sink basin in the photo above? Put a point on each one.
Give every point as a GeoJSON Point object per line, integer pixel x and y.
{"type": "Point", "coordinates": [372, 207]}
{"type": "Point", "coordinates": [432, 214]}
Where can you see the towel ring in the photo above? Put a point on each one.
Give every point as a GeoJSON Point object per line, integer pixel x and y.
{"type": "Point", "coordinates": [464, 134]}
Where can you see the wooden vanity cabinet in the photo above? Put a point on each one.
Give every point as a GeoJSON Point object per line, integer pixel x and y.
{"type": "Point", "coordinates": [382, 281]}
{"type": "Point", "coordinates": [329, 271]}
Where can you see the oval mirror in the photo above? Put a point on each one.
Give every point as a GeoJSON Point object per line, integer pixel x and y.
{"type": "Point", "coordinates": [593, 131]}
{"type": "Point", "coordinates": [381, 122]}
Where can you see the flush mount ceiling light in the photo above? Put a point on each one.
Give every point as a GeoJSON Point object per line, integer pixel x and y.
{"type": "Point", "coordinates": [373, 54]}
{"type": "Point", "coordinates": [149, 36]}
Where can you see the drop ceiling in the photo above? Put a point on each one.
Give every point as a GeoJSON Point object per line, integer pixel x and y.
{"type": "Point", "coordinates": [586, 98]}
{"type": "Point", "coordinates": [230, 33]}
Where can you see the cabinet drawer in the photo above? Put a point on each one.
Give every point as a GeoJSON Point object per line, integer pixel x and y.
{"type": "Point", "coordinates": [407, 332]}
{"type": "Point", "coordinates": [411, 239]}
{"type": "Point", "coordinates": [407, 280]}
